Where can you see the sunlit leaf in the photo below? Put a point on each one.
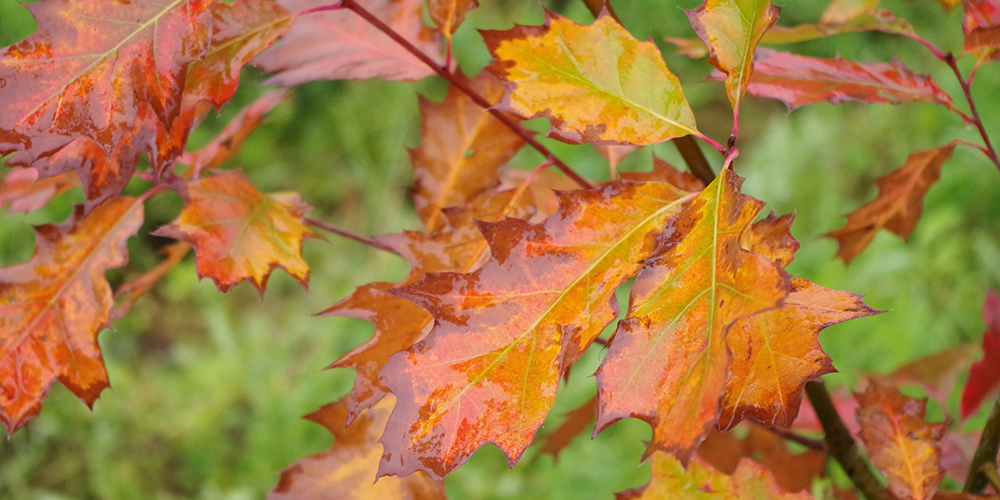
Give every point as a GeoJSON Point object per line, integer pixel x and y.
{"type": "Point", "coordinates": [347, 469]}
{"type": "Point", "coordinates": [668, 361]}
{"type": "Point", "coordinates": [238, 233]}
{"type": "Point", "coordinates": [340, 45]}
{"type": "Point", "coordinates": [899, 204]}
{"type": "Point", "coordinates": [798, 80]}
{"type": "Point", "coordinates": [53, 306]}
{"type": "Point", "coordinates": [900, 442]}
{"type": "Point", "coordinates": [449, 14]}
{"type": "Point", "coordinates": [504, 334]}
{"type": "Point", "coordinates": [594, 83]}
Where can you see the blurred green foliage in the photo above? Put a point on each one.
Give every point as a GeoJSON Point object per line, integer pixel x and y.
{"type": "Point", "coordinates": [208, 389]}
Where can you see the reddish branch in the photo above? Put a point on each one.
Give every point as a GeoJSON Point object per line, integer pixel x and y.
{"type": "Point", "coordinates": [353, 6]}
{"type": "Point", "coordinates": [349, 234]}
{"type": "Point", "coordinates": [841, 445]}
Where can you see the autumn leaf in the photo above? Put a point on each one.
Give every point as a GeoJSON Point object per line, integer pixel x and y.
{"type": "Point", "coordinates": [776, 352]}
{"type": "Point", "coordinates": [665, 172]}
{"type": "Point", "coordinates": [731, 29]}
{"type": "Point", "coordinates": [798, 80]}
{"type": "Point", "coordinates": [340, 45]}
{"type": "Point", "coordinates": [89, 67]}
{"type": "Point", "coordinates": [900, 443]}
{"type": "Point", "coordinates": [935, 373]}
{"type": "Point", "coordinates": [504, 334]}
{"type": "Point", "coordinates": [129, 292]}
{"type": "Point", "coordinates": [981, 26]}
{"type": "Point", "coordinates": [231, 139]}
{"type": "Point", "coordinates": [668, 360]}
{"type": "Point", "coordinates": [22, 191]}
{"type": "Point", "coordinates": [899, 204]}
{"type": "Point", "coordinates": [53, 306]}
{"type": "Point", "coordinates": [594, 83]}
{"type": "Point", "coordinates": [461, 150]}
{"type": "Point", "coordinates": [347, 469]}
{"type": "Point", "coordinates": [700, 481]}
{"type": "Point", "coordinates": [448, 15]}
{"type": "Point", "coordinates": [576, 422]}
{"type": "Point", "coordinates": [984, 375]}
{"type": "Point", "coordinates": [238, 233]}
{"type": "Point", "coordinates": [793, 471]}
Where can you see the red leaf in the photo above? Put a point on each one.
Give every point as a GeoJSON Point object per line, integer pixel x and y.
{"type": "Point", "coordinates": [347, 469]}
{"type": "Point", "coordinates": [900, 443]}
{"type": "Point", "coordinates": [24, 192]}
{"type": "Point", "coordinates": [238, 233]}
{"type": "Point", "coordinates": [798, 80]}
{"type": "Point", "coordinates": [53, 306]}
{"type": "Point", "coordinates": [668, 361]}
{"type": "Point", "coordinates": [340, 45]}
{"type": "Point", "coordinates": [984, 376]}
{"type": "Point", "coordinates": [899, 204]}
{"type": "Point", "coordinates": [505, 334]}
{"type": "Point", "coordinates": [981, 25]}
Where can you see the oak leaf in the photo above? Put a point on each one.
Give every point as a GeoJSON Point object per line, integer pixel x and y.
{"type": "Point", "coordinates": [505, 334]}
{"type": "Point", "coordinates": [448, 15]}
{"type": "Point", "coordinates": [793, 471]}
{"type": "Point", "coordinates": [595, 83]}
{"type": "Point", "coordinates": [984, 375]}
{"type": "Point", "coordinates": [670, 480]}
{"type": "Point", "coordinates": [461, 150]}
{"type": "Point", "coordinates": [935, 373]}
{"type": "Point", "coordinates": [53, 306]}
{"type": "Point", "coordinates": [576, 421]}
{"type": "Point", "coordinates": [776, 352]}
{"type": "Point", "coordinates": [347, 469]}
{"type": "Point", "coordinates": [900, 442]}
{"type": "Point", "coordinates": [899, 204]}
{"type": "Point", "coordinates": [981, 26]}
{"type": "Point", "coordinates": [340, 45]}
{"type": "Point", "coordinates": [798, 80]}
{"type": "Point", "coordinates": [88, 68]}
{"type": "Point", "coordinates": [23, 191]}
{"type": "Point", "coordinates": [238, 233]}
{"type": "Point", "coordinates": [668, 360]}
{"type": "Point", "coordinates": [731, 30]}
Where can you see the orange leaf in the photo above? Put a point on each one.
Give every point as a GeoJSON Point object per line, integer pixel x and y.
{"type": "Point", "coordinates": [449, 14]}
{"type": "Point", "coordinates": [665, 172]}
{"type": "Point", "coordinates": [793, 471]}
{"type": "Point", "coordinates": [731, 30]}
{"type": "Point", "coordinates": [88, 68]}
{"type": "Point", "coordinates": [24, 192]}
{"type": "Point", "coordinates": [899, 204]}
{"type": "Point", "coordinates": [53, 306]}
{"type": "Point", "coordinates": [668, 360]}
{"type": "Point", "coordinates": [594, 83]}
{"type": "Point", "coordinates": [347, 469]}
{"type": "Point", "coordinates": [700, 481]}
{"type": "Point", "coordinates": [230, 140]}
{"type": "Point", "coordinates": [981, 25]}
{"type": "Point", "coordinates": [776, 352]}
{"type": "Point", "coordinates": [340, 45]}
{"type": "Point", "coordinates": [238, 233]}
{"type": "Point", "coordinates": [504, 334]}
{"type": "Point", "coordinates": [900, 443]}
{"type": "Point", "coordinates": [461, 150]}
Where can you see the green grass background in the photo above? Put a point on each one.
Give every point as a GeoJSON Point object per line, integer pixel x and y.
{"type": "Point", "coordinates": [208, 389]}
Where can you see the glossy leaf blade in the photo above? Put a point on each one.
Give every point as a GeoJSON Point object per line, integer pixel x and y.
{"type": "Point", "coordinates": [340, 45]}
{"type": "Point", "coordinates": [89, 67]}
{"type": "Point", "coordinates": [699, 481]}
{"type": "Point", "coordinates": [900, 442]}
{"type": "Point", "coordinates": [461, 150]}
{"type": "Point", "coordinates": [799, 80]}
{"type": "Point", "coordinates": [238, 233]}
{"type": "Point", "coordinates": [594, 83]}
{"type": "Point", "coordinates": [776, 352]}
{"type": "Point", "coordinates": [347, 469]}
{"type": "Point", "coordinates": [667, 363]}
{"type": "Point", "coordinates": [731, 29]}
{"type": "Point", "coordinates": [504, 334]}
{"type": "Point", "coordinates": [53, 306]}
{"type": "Point", "coordinates": [899, 204]}
{"type": "Point", "coordinates": [984, 375]}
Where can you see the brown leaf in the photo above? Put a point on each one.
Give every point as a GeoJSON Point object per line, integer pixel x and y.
{"type": "Point", "coordinates": [899, 204]}
{"type": "Point", "coordinates": [576, 422]}
{"type": "Point", "coordinates": [793, 471]}
{"type": "Point", "coordinates": [53, 306]}
{"type": "Point", "coordinates": [347, 470]}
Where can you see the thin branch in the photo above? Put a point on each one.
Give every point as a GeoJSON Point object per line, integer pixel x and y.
{"type": "Point", "coordinates": [787, 434]}
{"type": "Point", "coordinates": [459, 84]}
{"type": "Point", "coordinates": [991, 153]}
{"type": "Point", "coordinates": [990, 471]}
{"type": "Point", "coordinates": [841, 445]}
{"type": "Point", "coordinates": [986, 453]}
{"type": "Point", "coordinates": [349, 234]}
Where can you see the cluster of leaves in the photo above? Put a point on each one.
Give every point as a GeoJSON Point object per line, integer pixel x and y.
{"type": "Point", "coordinates": [514, 277]}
